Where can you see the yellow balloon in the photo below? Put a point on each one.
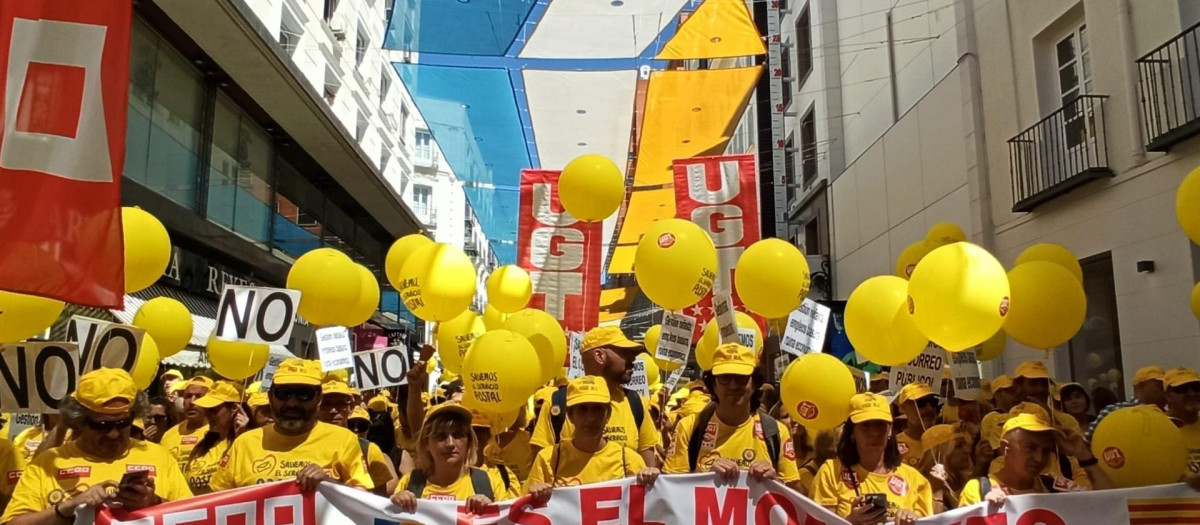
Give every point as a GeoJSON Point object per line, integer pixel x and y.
{"type": "Point", "coordinates": [650, 341]}
{"type": "Point", "coordinates": [168, 321]}
{"type": "Point", "coordinates": [545, 334]}
{"type": "Point", "coordinates": [652, 374]}
{"type": "Point", "coordinates": [454, 338]}
{"type": "Point", "coordinates": [1048, 306]}
{"type": "Point", "coordinates": [1187, 205]}
{"type": "Point", "coordinates": [237, 360]}
{"type": "Point", "coordinates": [878, 324]}
{"type": "Point", "coordinates": [816, 390]}
{"type": "Point", "coordinates": [910, 256]}
{"type": "Point", "coordinates": [497, 378]}
{"type": "Point", "coordinates": [711, 338]}
{"type": "Point", "coordinates": [398, 254]}
{"type": "Point", "coordinates": [329, 286]}
{"type": "Point", "coordinates": [1196, 300]}
{"type": "Point", "coordinates": [591, 187]}
{"type": "Point", "coordinates": [24, 316]}
{"type": "Point", "coordinates": [1140, 446]}
{"type": "Point", "coordinates": [944, 233]}
{"type": "Point", "coordinates": [509, 288]}
{"type": "Point", "coordinates": [146, 367]}
{"type": "Point", "coordinates": [993, 347]}
{"type": "Point", "coordinates": [958, 296]}
{"type": "Point", "coordinates": [1055, 253]}
{"type": "Point", "coordinates": [763, 288]}
{"type": "Point", "coordinates": [493, 319]}
{"type": "Point", "coordinates": [437, 282]}
{"type": "Point", "coordinates": [368, 298]}
{"type": "Point", "coordinates": [675, 263]}
{"type": "Point", "coordinates": [147, 248]}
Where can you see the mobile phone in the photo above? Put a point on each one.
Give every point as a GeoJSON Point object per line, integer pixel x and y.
{"type": "Point", "coordinates": [878, 501]}
{"type": "Point", "coordinates": [132, 478]}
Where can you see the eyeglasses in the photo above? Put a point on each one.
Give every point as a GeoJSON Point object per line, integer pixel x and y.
{"type": "Point", "coordinates": [359, 428]}
{"type": "Point", "coordinates": [108, 426]}
{"type": "Point", "coordinates": [302, 395]}
{"type": "Point", "coordinates": [928, 401]}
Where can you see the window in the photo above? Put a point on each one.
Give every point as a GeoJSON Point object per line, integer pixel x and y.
{"type": "Point", "coordinates": [789, 168]}
{"type": "Point", "coordinates": [360, 128]}
{"type": "Point", "coordinates": [360, 45]}
{"type": "Point", "coordinates": [290, 31]}
{"type": "Point", "coordinates": [332, 85]}
{"type": "Point", "coordinates": [239, 188]}
{"type": "Point", "coordinates": [421, 195]}
{"type": "Point", "coordinates": [424, 146]}
{"type": "Point", "coordinates": [165, 117]}
{"type": "Point", "coordinates": [804, 50]}
{"type": "Point", "coordinates": [808, 147]}
{"type": "Point", "coordinates": [785, 63]}
{"type": "Point", "coordinates": [297, 208]}
{"type": "Point", "coordinates": [1073, 60]}
{"type": "Point", "coordinates": [812, 238]}
{"type": "Point", "coordinates": [403, 122]}
{"type": "Point", "coordinates": [385, 81]}
{"type": "Point", "coordinates": [1096, 350]}
{"type": "Point", "coordinates": [330, 7]}
{"type": "Point", "coordinates": [385, 157]}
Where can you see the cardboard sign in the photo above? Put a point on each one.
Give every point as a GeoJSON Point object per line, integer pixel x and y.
{"type": "Point", "coordinates": [675, 342]}
{"type": "Point", "coordinates": [381, 368]}
{"type": "Point", "coordinates": [925, 368]}
{"type": "Point", "coordinates": [862, 380]}
{"type": "Point", "coordinates": [781, 363]}
{"type": "Point", "coordinates": [673, 379]}
{"type": "Point", "coordinates": [20, 423]}
{"type": "Point", "coordinates": [723, 311]}
{"type": "Point", "coordinates": [964, 370]}
{"type": "Point", "coordinates": [35, 377]}
{"type": "Point", "coordinates": [267, 375]}
{"type": "Point", "coordinates": [83, 330]}
{"type": "Point", "coordinates": [333, 347]}
{"type": "Point", "coordinates": [104, 344]}
{"type": "Point", "coordinates": [747, 337]}
{"type": "Point", "coordinates": [575, 353]}
{"type": "Point", "coordinates": [256, 314]}
{"type": "Point", "coordinates": [806, 326]}
{"type": "Point", "coordinates": [638, 383]}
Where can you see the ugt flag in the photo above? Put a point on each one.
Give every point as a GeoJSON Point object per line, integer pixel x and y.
{"type": "Point", "coordinates": [64, 67]}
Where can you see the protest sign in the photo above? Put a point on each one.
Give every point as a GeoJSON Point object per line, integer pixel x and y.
{"type": "Point", "coordinates": [638, 383]}
{"type": "Point", "coordinates": [35, 377]}
{"type": "Point", "coordinates": [333, 347]}
{"type": "Point", "coordinates": [964, 369]}
{"type": "Point", "coordinates": [805, 331]}
{"type": "Point", "coordinates": [102, 344]}
{"type": "Point", "coordinates": [675, 341]}
{"type": "Point", "coordinates": [925, 368]}
{"type": "Point", "coordinates": [381, 368]}
{"type": "Point", "coordinates": [267, 375]}
{"type": "Point", "coordinates": [576, 368]}
{"type": "Point", "coordinates": [21, 422]}
{"type": "Point", "coordinates": [256, 314]}
{"type": "Point", "coordinates": [726, 317]}
{"type": "Point", "coordinates": [862, 380]}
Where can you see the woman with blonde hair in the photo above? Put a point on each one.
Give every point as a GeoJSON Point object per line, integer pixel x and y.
{"type": "Point", "coordinates": [446, 450]}
{"type": "Point", "coordinates": [947, 464]}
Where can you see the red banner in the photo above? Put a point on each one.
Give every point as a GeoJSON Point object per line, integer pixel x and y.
{"type": "Point", "coordinates": [281, 502]}
{"type": "Point", "coordinates": [719, 194]}
{"type": "Point", "coordinates": [65, 72]}
{"type": "Point", "coordinates": [561, 253]}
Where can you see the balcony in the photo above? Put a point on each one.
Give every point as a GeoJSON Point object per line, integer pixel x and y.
{"type": "Point", "coordinates": [1169, 85]}
{"type": "Point", "coordinates": [1061, 152]}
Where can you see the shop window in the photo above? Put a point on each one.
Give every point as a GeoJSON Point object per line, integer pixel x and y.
{"type": "Point", "coordinates": [165, 116]}
{"type": "Point", "coordinates": [1096, 350]}
{"type": "Point", "coordinates": [239, 188]}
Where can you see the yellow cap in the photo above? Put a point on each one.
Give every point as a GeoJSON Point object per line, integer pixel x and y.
{"type": "Point", "coordinates": [254, 387]}
{"type": "Point", "coordinates": [296, 371]}
{"type": "Point", "coordinates": [938, 435]}
{"type": "Point", "coordinates": [336, 387]}
{"type": "Point", "coordinates": [1032, 370]}
{"type": "Point", "coordinates": [178, 386]}
{"type": "Point", "coordinates": [869, 407]}
{"type": "Point", "coordinates": [1028, 407]}
{"type": "Point", "coordinates": [1147, 373]}
{"type": "Point", "coordinates": [1001, 382]}
{"type": "Point", "coordinates": [1028, 422]}
{"type": "Point", "coordinates": [106, 391]}
{"type": "Point", "coordinates": [258, 399]}
{"type": "Point", "coordinates": [1180, 376]}
{"type": "Point", "coordinates": [172, 373]}
{"type": "Point", "coordinates": [448, 409]}
{"type": "Point", "coordinates": [359, 413]}
{"type": "Point", "coordinates": [882, 376]}
{"type": "Point", "coordinates": [199, 380]}
{"type": "Point", "coordinates": [1059, 388]}
{"type": "Point", "coordinates": [587, 389]}
{"type": "Point", "coordinates": [913, 392]}
{"type": "Point", "coordinates": [378, 403]}
{"type": "Point", "coordinates": [733, 358]}
{"type": "Point", "coordinates": [221, 393]}
{"type": "Point", "coordinates": [601, 336]}
{"type": "Point", "coordinates": [386, 393]}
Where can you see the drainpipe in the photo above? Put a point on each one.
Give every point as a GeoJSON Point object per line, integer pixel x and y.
{"type": "Point", "coordinates": [1137, 153]}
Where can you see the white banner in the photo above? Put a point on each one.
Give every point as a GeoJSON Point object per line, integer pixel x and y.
{"type": "Point", "coordinates": [381, 368]}
{"type": "Point", "coordinates": [333, 346]}
{"type": "Point", "coordinates": [964, 369]}
{"type": "Point", "coordinates": [675, 341]}
{"type": "Point", "coordinates": [806, 326]}
{"type": "Point", "coordinates": [925, 368]}
{"type": "Point", "coordinates": [256, 314]}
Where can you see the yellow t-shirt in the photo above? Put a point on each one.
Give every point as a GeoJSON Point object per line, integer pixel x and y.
{"type": "Point", "coordinates": [402, 441]}
{"type": "Point", "coordinates": [264, 455]}
{"type": "Point", "coordinates": [517, 455]}
{"type": "Point", "coordinates": [28, 441]}
{"type": "Point", "coordinates": [1079, 476]}
{"type": "Point", "coordinates": [744, 444]}
{"type": "Point", "coordinates": [199, 471]}
{"type": "Point", "coordinates": [513, 487]}
{"type": "Point", "coordinates": [1191, 439]}
{"type": "Point", "coordinates": [377, 465]}
{"type": "Point", "coordinates": [180, 440]}
{"type": "Point", "coordinates": [970, 493]}
{"type": "Point", "coordinates": [910, 449]}
{"type": "Point", "coordinates": [905, 488]}
{"type": "Point", "coordinates": [621, 426]}
{"type": "Point", "coordinates": [11, 466]}
{"type": "Point", "coordinates": [575, 467]}
{"type": "Point", "coordinates": [459, 490]}
{"type": "Point", "coordinates": [808, 474]}
{"type": "Point", "coordinates": [64, 472]}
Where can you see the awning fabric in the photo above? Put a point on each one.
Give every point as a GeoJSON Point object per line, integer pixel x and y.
{"type": "Point", "coordinates": [202, 325]}
{"type": "Point", "coordinates": [718, 29]}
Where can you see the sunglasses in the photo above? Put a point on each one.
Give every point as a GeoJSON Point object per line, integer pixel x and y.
{"type": "Point", "coordinates": [1187, 388]}
{"type": "Point", "coordinates": [728, 379]}
{"type": "Point", "coordinates": [359, 428]}
{"type": "Point", "coordinates": [302, 395]}
{"type": "Point", "coordinates": [927, 401]}
{"type": "Point", "coordinates": [108, 426]}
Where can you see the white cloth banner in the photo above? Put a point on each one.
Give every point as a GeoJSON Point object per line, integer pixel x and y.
{"type": "Point", "coordinates": [698, 499]}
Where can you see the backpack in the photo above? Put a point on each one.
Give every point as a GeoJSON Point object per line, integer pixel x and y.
{"type": "Point", "coordinates": [770, 429]}
{"type": "Point", "coordinates": [480, 483]}
{"type": "Point", "coordinates": [558, 417]}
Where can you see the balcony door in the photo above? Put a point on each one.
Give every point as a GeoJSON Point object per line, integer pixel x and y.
{"type": "Point", "coordinates": [1073, 58]}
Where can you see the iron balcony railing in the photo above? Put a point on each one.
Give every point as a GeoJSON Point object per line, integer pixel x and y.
{"type": "Point", "coordinates": [1061, 152]}
{"type": "Point", "coordinates": [1169, 85]}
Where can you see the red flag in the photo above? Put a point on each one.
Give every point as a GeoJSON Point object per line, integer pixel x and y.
{"type": "Point", "coordinates": [719, 194]}
{"type": "Point", "coordinates": [65, 71]}
{"type": "Point", "coordinates": [560, 252]}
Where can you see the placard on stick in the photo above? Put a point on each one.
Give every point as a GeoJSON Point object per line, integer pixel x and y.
{"type": "Point", "coordinates": [256, 314]}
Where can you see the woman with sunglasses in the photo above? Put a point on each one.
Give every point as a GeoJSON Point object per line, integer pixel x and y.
{"type": "Point", "coordinates": [85, 471]}
{"type": "Point", "coordinates": [446, 452]}
{"type": "Point", "coordinates": [222, 407]}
